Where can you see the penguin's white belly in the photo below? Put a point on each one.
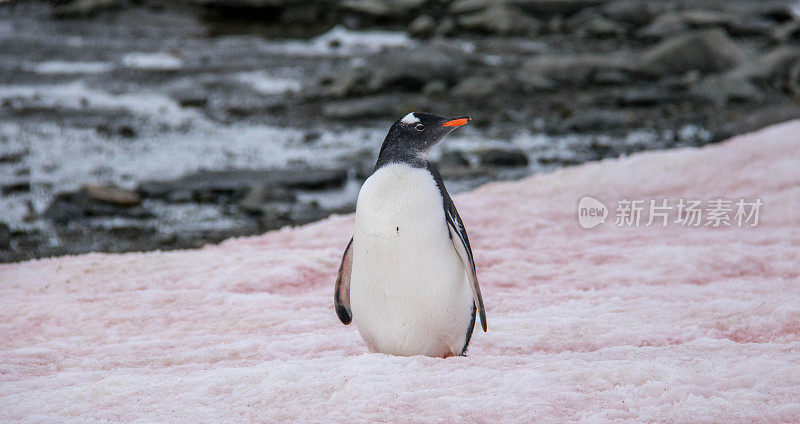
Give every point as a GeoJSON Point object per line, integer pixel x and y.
{"type": "Point", "coordinates": [409, 292]}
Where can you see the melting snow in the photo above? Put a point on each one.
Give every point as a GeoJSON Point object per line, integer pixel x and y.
{"type": "Point", "coordinates": [60, 67]}
{"type": "Point", "coordinates": [152, 61]}
{"type": "Point", "coordinates": [608, 325]}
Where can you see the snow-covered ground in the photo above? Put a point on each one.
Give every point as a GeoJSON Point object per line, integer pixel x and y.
{"type": "Point", "coordinates": [610, 324]}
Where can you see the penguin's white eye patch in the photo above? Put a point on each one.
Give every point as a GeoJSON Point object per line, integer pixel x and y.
{"type": "Point", "coordinates": [419, 127]}
{"type": "Point", "coordinates": [410, 119]}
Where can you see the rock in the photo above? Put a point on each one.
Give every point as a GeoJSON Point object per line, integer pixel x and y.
{"type": "Point", "coordinates": [663, 26]}
{"type": "Point", "coordinates": [114, 129]}
{"type": "Point", "coordinates": [554, 7]}
{"type": "Point", "coordinates": [612, 77]}
{"type": "Point", "coordinates": [361, 162]}
{"type": "Point", "coordinates": [500, 19]}
{"type": "Point", "coordinates": [778, 12]}
{"type": "Point", "coordinates": [699, 18]}
{"type": "Point", "coordinates": [72, 206]}
{"type": "Point", "coordinates": [224, 186]}
{"type": "Point", "coordinates": [788, 32]}
{"type": "Point", "coordinates": [190, 98]}
{"type": "Point", "coordinates": [502, 157]}
{"type": "Point", "coordinates": [680, 82]}
{"type": "Point", "coordinates": [642, 96]}
{"type": "Point", "coordinates": [633, 12]}
{"type": "Point", "coordinates": [602, 28]}
{"type": "Point", "coordinates": [13, 157]}
{"type": "Point", "coordinates": [260, 195]}
{"type": "Point", "coordinates": [435, 88]}
{"type": "Point", "coordinates": [452, 159]}
{"type": "Point", "coordinates": [422, 26]}
{"type": "Point", "coordinates": [793, 79]}
{"type": "Point", "coordinates": [535, 83]}
{"type": "Point", "coordinates": [719, 89]}
{"type": "Point", "coordinates": [676, 22]}
{"type": "Point", "coordinates": [706, 51]}
{"type": "Point", "coordinates": [303, 214]}
{"type": "Point", "coordinates": [746, 27]}
{"type": "Point", "coordinates": [768, 67]}
{"type": "Point", "coordinates": [112, 194]}
{"type": "Point", "coordinates": [599, 120]}
{"type": "Point", "coordinates": [5, 235]}
{"type": "Point", "coordinates": [247, 5]}
{"type": "Point", "coordinates": [311, 137]}
{"type": "Point", "coordinates": [374, 8]}
{"type": "Point", "coordinates": [15, 188]}
{"type": "Point", "coordinates": [126, 131]}
{"type": "Point", "coordinates": [381, 8]}
{"type": "Point", "coordinates": [303, 14]}
{"type": "Point", "coordinates": [446, 27]}
{"type": "Point", "coordinates": [412, 69]}
{"type": "Point", "coordinates": [481, 87]}
{"type": "Point", "coordinates": [756, 119]}
{"type": "Point", "coordinates": [516, 46]}
{"type": "Point", "coordinates": [468, 6]}
{"type": "Point", "coordinates": [366, 107]}
{"type": "Point", "coordinates": [345, 83]}
{"type": "Point", "coordinates": [575, 70]}
{"type": "Point", "coordinates": [85, 8]}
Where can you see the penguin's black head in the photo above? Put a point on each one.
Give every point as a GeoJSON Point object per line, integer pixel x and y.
{"type": "Point", "coordinates": [412, 137]}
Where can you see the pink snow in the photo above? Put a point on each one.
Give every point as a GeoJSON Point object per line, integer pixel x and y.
{"type": "Point", "coordinates": [609, 324]}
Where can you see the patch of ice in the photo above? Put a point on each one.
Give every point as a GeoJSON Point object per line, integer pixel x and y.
{"type": "Point", "coordinates": [693, 132]}
{"type": "Point", "coordinates": [263, 83]}
{"type": "Point", "coordinates": [152, 61]}
{"type": "Point", "coordinates": [344, 37]}
{"type": "Point", "coordinates": [78, 96]}
{"type": "Point", "coordinates": [340, 41]}
{"type": "Point", "coordinates": [55, 67]}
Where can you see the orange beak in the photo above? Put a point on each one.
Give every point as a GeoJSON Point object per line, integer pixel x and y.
{"type": "Point", "coordinates": [456, 122]}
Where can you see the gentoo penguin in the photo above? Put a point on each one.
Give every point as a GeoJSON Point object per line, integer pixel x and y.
{"type": "Point", "coordinates": [407, 277]}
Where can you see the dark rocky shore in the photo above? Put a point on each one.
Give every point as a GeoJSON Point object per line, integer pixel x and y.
{"type": "Point", "coordinates": [135, 125]}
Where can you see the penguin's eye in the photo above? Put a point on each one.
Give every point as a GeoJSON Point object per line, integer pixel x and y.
{"type": "Point", "coordinates": [419, 127]}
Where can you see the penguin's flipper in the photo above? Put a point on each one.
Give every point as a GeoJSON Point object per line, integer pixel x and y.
{"type": "Point", "coordinates": [458, 235]}
{"type": "Point", "coordinates": [341, 297]}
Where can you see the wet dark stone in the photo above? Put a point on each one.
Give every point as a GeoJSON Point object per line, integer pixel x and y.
{"type": "Point", "coordinates": [13, 157]}
{"type": "Point", "coordinates": [16, 188]}
{"type": "Point", "coordinates": [598, 120]}
{"type": "Point", "coordinates": [412, 69]}
{"type": "Point", "coordinates": [121, 130]}
{"type": "Point", "coordinates": [113, 195]}
{"type": "Point", "coordinates": [365, 107]}
{"type": "Point", "coordinates": [554, 7]}
{"type": "Point", "coordinates": [502, 157]}
{"type": "Point", "coordinates": [85, 8]}
{"type": "Point", "coordinates": [576, 70]}
{"type": "Point", "coordinates": [500, 19]}
{"type": "Point", "coordinates": [261, 196]}
{"type": "Point", "coordinates": [225, 186]}
{"type": "Point", "coordinates": [5, 235]}
{"type": "Point", "coordinates": [705, 51]}
{"type": "Point", "coordinates": [189, 99]}
{"type": "Point", "coordinates": [72, 206]}
{"type": "Point", "coordinates": [452, 158]}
